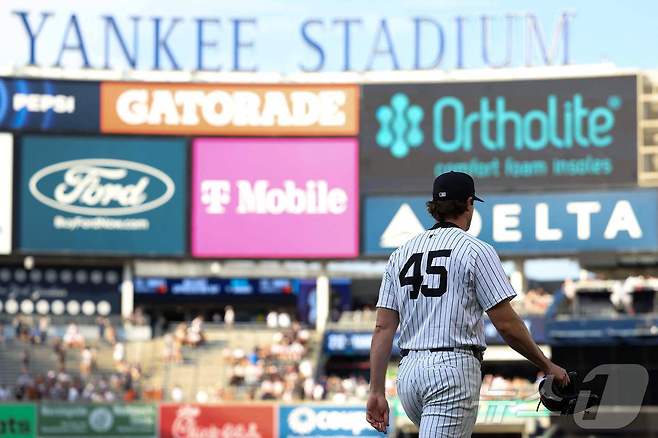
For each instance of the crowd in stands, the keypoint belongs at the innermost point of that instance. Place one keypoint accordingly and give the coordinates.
(63, 383)
(192, 335)
(280, 370)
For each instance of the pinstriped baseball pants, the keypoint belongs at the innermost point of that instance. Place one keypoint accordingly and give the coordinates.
(440, 391)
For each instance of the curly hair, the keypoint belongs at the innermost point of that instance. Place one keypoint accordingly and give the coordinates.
(444, 210)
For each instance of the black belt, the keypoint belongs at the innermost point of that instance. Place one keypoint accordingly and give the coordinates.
(478, 352)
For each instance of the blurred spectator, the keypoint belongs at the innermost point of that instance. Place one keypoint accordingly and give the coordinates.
(87, 362)
(100, 325)
(137, 317)
(72, 337)
(25, 359)
(195, 334)
(22, 329)
(60, 352)
(119, 353)
(229, 316)
(284, 320)
(5, 393)
(110, 332)
(172, 349)
(276, 371)
(272, 319)
(43, 328)
(2, 333)
(537, 301)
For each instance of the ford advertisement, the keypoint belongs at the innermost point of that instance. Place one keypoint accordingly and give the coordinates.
(49, 106)
(102, 195)
(510, 135)
(274, 198)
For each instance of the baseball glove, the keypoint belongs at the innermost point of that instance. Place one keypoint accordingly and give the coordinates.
(565, 400)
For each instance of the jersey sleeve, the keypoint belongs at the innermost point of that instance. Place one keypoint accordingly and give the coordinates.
(387, 291)
(491, 283)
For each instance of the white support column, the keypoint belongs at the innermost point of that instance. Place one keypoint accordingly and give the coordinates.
(322, 300)
(518, 279)
(127, 291)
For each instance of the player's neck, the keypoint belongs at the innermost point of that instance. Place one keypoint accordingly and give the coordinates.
(461, 222)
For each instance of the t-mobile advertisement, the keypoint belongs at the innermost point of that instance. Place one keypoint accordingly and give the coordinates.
(275, 198)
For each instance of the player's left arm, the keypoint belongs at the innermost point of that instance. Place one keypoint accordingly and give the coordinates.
(380, 353)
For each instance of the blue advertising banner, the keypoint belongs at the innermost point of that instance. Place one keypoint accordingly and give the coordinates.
(358, 343)
(352, 343)
(102, 195)
(205, 286)
(310, 421)
(49, 106)
(528, 224)
(326, 35)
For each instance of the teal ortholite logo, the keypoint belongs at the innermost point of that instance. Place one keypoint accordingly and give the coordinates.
(399, 127)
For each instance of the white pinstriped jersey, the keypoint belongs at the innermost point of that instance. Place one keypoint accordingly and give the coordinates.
(440, 282)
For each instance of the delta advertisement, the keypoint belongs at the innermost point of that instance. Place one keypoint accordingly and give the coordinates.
(102, 195)
(70, 420)
(509, 135)
(275, 198)
(6, 192)
(49, 106)
(528, 224)
(204, 109)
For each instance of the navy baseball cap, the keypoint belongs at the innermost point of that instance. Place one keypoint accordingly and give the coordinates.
(454, 186)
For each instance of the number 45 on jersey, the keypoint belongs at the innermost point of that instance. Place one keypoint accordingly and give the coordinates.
(416, 279)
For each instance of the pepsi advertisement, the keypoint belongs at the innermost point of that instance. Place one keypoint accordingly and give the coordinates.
(509, 135)
(49, 106)
(123, 196)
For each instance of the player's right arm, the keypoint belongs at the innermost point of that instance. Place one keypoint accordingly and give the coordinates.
(494, 292)
(516, 335)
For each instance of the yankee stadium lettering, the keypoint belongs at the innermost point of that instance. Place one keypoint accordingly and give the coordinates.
(93, 187)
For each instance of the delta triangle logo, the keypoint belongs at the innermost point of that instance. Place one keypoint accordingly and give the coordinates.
(403, 226)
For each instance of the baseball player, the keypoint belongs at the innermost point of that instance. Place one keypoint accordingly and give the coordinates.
(437, 287)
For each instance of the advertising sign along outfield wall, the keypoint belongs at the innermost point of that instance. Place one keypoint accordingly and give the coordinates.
(198, 109)
(195, 421)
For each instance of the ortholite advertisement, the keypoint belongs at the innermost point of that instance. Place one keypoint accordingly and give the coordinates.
(102, 195)
(137, 420)
(509, 135)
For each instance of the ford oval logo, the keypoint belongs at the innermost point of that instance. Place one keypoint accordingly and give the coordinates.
(102, 187)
